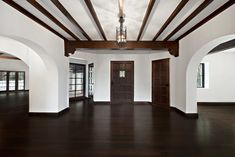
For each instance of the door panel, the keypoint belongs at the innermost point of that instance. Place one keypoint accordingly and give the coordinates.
(160, 83)
(122, 81)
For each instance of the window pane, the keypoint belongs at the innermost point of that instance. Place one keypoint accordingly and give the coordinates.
(79, 87)
(71, 81)
(79, 81)
(12, 81)
(79, 75)
(79, 93)
(72, 94)
(200, 76)
(72, 87)
(21, 78)
(3, 81)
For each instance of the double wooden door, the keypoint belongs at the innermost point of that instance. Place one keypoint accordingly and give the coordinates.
(122, 81)
(160, 83)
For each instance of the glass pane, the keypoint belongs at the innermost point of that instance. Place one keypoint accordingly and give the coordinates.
(79, 93)
(72, 71)
(79, 87)
(79, 75)
(12, 80)
(79, 81)
(122, 73)
(72, 94)
(71, 87)
(200, 76)
(21, 78)
(71, 81)
(3, 81)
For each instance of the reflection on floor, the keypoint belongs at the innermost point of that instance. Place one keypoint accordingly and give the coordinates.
(122, 130)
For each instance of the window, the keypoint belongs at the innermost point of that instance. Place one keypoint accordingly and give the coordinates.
(201, 76)
(21, 80)
(12, 80)
(3, 81)
(90, 79)
(77, 81)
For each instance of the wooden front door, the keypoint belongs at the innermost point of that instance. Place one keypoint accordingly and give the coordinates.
(122, 81)
(160, 83)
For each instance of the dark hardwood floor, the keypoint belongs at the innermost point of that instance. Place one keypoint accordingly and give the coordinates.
(124, 130)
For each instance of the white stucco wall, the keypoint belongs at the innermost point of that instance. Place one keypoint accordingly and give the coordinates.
(221, 78)
(192, 49)
(142, 72)
(15, 65)
(43, 52)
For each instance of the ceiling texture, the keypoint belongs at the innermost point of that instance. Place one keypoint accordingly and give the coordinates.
(146, 20)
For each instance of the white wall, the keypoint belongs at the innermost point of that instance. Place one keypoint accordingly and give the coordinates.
(192, 49)
(221, 78)
(43, 52)
(15, 65)
(142, 72)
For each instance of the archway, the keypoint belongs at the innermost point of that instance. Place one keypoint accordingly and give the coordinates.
(191, 74)
(43, 74)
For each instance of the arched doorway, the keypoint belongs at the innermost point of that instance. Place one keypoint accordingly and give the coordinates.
(43, 74)
(191, 74)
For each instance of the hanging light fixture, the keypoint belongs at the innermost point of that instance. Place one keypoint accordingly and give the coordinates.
(121, 31)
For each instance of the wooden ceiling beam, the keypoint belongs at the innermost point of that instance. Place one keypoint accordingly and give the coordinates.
(171, 18)
(171, 46)
(208, 18)
(32, 17)
(70, 18)
(189, 18)
(146, 17)
(51, 17)
(95, 17)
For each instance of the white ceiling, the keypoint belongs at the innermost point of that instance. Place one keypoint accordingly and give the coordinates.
(107, 11)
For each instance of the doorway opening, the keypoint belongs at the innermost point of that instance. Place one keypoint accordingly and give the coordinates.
(14, 84)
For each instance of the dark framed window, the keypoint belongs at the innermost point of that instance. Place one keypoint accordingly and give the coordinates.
(201, 76)
(77, 81)
(12, 81)
(90, 79)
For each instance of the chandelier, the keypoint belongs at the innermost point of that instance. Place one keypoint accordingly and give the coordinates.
(121, 31)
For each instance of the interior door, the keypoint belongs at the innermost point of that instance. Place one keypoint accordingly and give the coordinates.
(160, 83)
(122, 81)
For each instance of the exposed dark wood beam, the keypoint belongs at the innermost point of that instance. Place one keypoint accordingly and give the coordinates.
(208, 18)
(31, 16)
(189, 18)
(171, 46)
(171, 18)
(148, 11)
(95, 17)
(70, 18)
(9, 57)
(51, 17)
